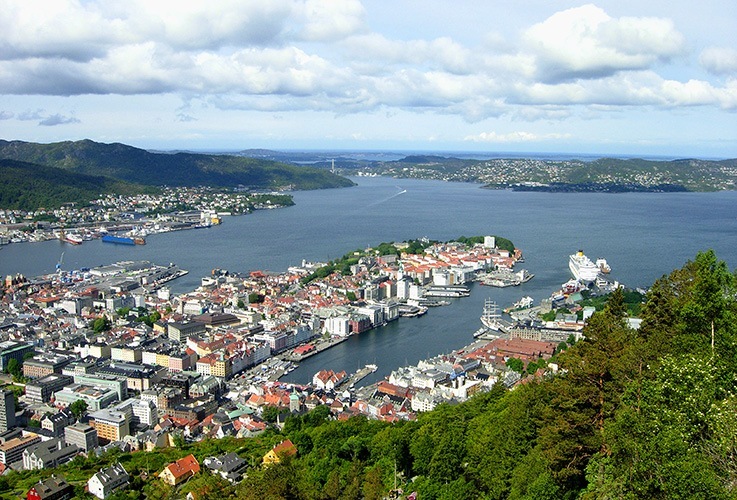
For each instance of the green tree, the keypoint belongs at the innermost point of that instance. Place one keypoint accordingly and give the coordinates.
(515, 364)
(78, 408)
(101, 324)
(596, 370)
(373, 487)
(152, 318)
(658, 436)
(14, 367)
(616, 304)
(270, 413)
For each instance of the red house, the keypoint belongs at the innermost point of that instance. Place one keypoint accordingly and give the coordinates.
(54, 488)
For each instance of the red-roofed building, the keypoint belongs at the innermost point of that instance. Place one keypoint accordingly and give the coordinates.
(284, 449)
(304, 349)
(328, 379)
(181, 470)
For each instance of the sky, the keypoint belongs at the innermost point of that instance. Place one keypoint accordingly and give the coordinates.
(614, 77)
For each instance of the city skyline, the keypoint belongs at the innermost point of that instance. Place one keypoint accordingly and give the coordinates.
(619, 78)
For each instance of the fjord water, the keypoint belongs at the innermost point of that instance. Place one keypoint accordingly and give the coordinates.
(642, 235)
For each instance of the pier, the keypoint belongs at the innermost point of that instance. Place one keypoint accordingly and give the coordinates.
(360, 375)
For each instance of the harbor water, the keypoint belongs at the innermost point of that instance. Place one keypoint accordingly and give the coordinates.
(642, 236)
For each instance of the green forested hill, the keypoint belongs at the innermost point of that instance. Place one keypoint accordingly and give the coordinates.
(648, 413)
(131, 164)
(27, 186)
(603, 175)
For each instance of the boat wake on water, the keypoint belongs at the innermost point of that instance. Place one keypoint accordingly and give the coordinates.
(384, 200)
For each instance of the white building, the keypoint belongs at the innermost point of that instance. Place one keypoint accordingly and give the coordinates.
(337, 325)
(423, 401)
(105, 482)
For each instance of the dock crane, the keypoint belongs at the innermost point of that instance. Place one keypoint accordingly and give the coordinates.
(58, 264)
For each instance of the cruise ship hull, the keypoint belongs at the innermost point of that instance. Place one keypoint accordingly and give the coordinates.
(582, 268)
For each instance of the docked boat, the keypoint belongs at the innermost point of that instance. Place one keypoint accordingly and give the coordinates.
(571, 286)
(123, 240)
(524, 275)
(491, 318)
(453, 291)
(603, 266)
(73, 238)
(582, 268)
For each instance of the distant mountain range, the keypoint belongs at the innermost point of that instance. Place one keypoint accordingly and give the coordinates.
(52, 174)
(134, 165)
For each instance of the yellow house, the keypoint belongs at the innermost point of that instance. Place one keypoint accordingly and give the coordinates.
(180, 471)
(284, 449)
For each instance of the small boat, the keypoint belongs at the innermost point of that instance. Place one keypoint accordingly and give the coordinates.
(603, 266)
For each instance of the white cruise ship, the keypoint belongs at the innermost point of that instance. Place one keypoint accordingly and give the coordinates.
(582, 268)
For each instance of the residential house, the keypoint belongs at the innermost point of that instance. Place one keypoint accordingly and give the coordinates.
(328, 379)
(230, 466)
(180, 471)
(53, 488)
(284, 449)
(105, 482)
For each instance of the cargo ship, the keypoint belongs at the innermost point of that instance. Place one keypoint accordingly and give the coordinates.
(123, 240)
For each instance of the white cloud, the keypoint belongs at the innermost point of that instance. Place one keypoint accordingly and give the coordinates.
(584, 42)
(513, 137)
(719, 60)
(438, 54)
(328, 20)
(321, 55)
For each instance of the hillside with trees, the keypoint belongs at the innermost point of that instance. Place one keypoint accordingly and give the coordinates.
(28, 186)
(646, 413)
(568, 175)
(135, 165)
